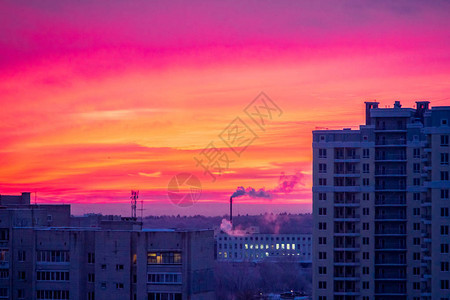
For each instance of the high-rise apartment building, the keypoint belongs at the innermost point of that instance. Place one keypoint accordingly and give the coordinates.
(381, 206)
(47, 254)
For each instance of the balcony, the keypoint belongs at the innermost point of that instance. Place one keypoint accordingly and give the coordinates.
(392, 187)
(390, 157)
(350, 157)
(390, 217)
(390, 262)
(391, 142)
(390, 231)
(346, 202)
(350, 217)
(390, 172)
(390, 128)
(346, 261)
(390, 201)
(348, 173)
(347, 246)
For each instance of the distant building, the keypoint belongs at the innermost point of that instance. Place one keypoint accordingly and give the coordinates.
(250, 245)
(381, 206)
(47, 254)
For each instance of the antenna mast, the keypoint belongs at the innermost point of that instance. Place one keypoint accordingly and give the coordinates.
(134, 197)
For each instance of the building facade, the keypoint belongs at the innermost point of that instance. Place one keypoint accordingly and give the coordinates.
(381, 206)
(43, 255)
(256, 247)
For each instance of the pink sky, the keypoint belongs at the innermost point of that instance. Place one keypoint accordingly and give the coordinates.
(100, 98)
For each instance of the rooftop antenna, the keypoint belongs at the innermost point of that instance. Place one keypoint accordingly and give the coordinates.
(142, 210)
(134, 197)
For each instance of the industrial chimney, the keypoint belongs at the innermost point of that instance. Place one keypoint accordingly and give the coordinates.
(231, 212)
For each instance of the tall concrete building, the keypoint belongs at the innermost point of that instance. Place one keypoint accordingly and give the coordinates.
(381, 206)
(47, 254)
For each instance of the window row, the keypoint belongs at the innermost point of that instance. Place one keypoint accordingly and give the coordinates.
(50, 294)
(169, 257)
(53, 256)
(52, 275)
(164, 278)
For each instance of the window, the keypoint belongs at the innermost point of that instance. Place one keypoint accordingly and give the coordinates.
(444, 122)
(416, 226)
(322, 196)
(53, 256)
(444, 194)
(322, 181)
(91, 295)
(444, 140)
(416, 256)
(119, 285)
(416, 241)
(21, 256)
(444, 158)
(445, 266)
(52, 276)
(322, 153)
(4, 273)
(322, 168)
(21, 294)
(416, 153)
(164, 257)
(416, 168)
(365, 285)
(322, 297)
(365, 255)
(91, 258)
(417, 196)
(444, 175)
(444, 211)
(322, 285)
(365, 181)
(416, 181)
(416, 285)
(165, 296)
(365, 240)
(365, 153)
(416, 211)
(322, 240)
(322, 270)
(416, 271)
(444, 248)
(322, 211)
(119, 267)
(21, 275)
(365, 211)
(164, 278)
(444, 229)
(322, 255)
(91, 277)
(52, 294)
(322, 226)
(4, 293)
(445, 285)
(366, 168)
(365, 226)
(365, 270)
(366, 197)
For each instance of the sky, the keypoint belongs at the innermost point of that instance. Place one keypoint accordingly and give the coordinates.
(100, 98)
